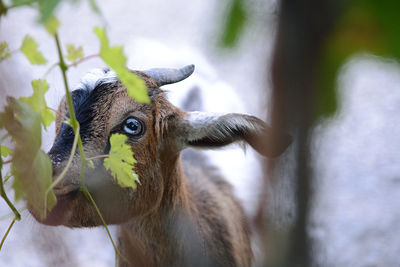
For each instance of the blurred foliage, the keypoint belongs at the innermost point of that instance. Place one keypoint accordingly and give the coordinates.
(23, 119)
(363, 26)
(74, 53)
(30, 49)
(121, 161)
(5, 151)
(4, 51)
(235, 22)
(30, 166)
(52, 25)
(114, 57)
(45, 7)
(38, 103)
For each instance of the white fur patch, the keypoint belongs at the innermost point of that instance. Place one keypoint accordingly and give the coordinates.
(95, 77)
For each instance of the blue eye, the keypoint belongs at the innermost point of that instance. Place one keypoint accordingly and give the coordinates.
(133, 127)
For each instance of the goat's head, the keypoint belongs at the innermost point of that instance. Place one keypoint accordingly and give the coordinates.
(157, 132)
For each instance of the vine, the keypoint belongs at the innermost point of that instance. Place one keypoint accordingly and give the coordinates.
(23, 119)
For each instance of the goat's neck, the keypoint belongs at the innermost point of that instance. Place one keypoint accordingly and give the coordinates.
(159, 237)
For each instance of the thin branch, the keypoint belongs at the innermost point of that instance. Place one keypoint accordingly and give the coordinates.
(75, 126)
(7, 177)
(98, 157)
(89, 196)
(62, 174)
(75, 63)
(74, 121)
(50, 69)
(58, 113)
(7, 161)
(6, 234)
(4, 195)
(11, 214)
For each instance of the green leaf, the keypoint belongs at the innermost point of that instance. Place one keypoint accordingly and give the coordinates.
(363, 25)
(38, 103)
(46, 8)
(94, 6)
(235, 22)
(115, 58)
(52, 25)
(4, 51)
(5, 151)
(135, 86)
(29, 48)
(121, 162)
(31, 167)
(74, 53)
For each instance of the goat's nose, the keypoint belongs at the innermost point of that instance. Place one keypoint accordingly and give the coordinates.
(56, 160)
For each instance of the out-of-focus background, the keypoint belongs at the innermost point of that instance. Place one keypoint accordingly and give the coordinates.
(355, 215)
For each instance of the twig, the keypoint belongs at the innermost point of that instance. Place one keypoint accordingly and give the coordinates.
(62, 174)
(98, 157)
(4, 195)
(89, 196)
(7, 177)
(75, 126)
(75, 63)
(58, 113)
(50, 69)
(6, 234)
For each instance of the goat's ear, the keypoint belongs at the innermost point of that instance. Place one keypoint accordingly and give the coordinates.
(208, 130)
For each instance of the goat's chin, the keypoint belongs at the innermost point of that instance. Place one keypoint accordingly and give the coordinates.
(61, 212)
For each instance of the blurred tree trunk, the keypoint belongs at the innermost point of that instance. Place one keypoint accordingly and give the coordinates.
(302, 30)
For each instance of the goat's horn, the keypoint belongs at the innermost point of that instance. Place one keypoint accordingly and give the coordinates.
(165, 76)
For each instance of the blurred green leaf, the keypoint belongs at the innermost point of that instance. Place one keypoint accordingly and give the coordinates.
(23, 2)
(4, 51)
(31, 167)
(121, 161)
(30, 49)
(115, 58)
(74, 53)
(94, 6)
(364, 26)
(47, 8)
(3, 8)
(234, 24)
(52, 25)
(5, 151)
(38, 103)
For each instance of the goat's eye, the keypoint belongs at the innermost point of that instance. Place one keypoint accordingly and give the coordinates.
(133, 127)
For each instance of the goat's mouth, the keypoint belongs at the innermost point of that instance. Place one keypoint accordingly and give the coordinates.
(61, 212)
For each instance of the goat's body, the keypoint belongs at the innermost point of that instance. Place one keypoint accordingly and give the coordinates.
(202, 225)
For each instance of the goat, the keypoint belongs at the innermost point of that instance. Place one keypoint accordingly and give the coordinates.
(181, 214)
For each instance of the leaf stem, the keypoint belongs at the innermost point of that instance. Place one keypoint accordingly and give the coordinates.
(8, 231)
(75, 126)
(98, 157)
(74, 121)
(74, 64)
(58, 113)
(62, 174)
(89, 196)
(7, 177)
(4, 195)
(50, 69)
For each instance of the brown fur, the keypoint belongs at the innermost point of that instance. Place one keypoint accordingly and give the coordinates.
(180, 214)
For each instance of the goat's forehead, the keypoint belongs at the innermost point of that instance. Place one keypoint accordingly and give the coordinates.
(95, 77)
